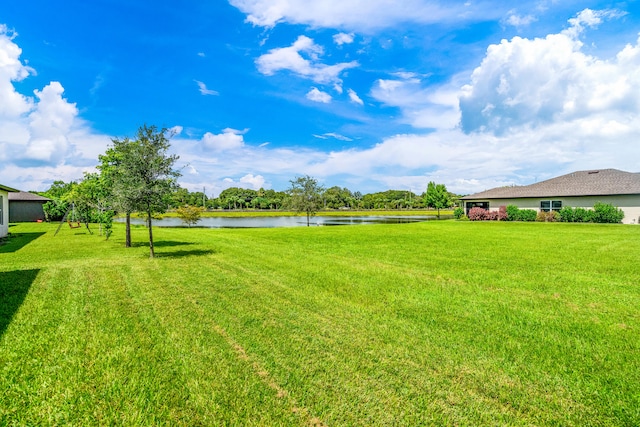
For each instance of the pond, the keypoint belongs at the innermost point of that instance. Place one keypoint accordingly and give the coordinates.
(287, 221)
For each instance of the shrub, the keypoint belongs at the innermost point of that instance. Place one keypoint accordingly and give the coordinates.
(190, 215)
(582, 215)
(606, 213)
(512, 212)
(567, 214)
(477, 214)
(458, 212)
(502, 213)
(528, 215)
(491, 216)
(550, 216)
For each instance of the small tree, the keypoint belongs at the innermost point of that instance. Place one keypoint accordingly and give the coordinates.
(190, 215)
(141, 174)
(437, 197)
(306, 196)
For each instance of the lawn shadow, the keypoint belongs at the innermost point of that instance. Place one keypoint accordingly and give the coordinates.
(182, 254)
(161, 244)
(14, 286)
(17, 241)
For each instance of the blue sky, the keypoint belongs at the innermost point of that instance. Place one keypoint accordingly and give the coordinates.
(369, 95)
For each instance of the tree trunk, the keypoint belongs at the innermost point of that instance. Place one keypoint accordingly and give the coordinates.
(127, 239)
(151, 252)
(307, 219)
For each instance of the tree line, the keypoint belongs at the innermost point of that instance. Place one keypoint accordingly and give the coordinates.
(236, 198)
(139, 176)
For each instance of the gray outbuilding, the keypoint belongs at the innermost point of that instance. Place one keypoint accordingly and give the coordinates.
(26, 207)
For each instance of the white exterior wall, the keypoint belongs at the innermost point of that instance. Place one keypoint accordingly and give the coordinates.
(630, 204)
(4, 217)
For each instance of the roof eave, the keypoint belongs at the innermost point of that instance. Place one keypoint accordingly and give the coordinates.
(8, 189)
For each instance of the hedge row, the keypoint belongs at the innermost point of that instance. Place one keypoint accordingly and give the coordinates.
(601, 213)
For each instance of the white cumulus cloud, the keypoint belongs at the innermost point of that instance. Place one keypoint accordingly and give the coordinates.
(308, 66)
(254, 182)
(50, 123)
(42, 139)
(229, 139)
(533, 82)
(317, 95)
(13, 104)
(343, 38)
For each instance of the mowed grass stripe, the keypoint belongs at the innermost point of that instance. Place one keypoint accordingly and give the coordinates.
(294, 289)
(105, 357)
(445, 323)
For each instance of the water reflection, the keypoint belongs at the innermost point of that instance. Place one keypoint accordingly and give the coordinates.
(286, 221)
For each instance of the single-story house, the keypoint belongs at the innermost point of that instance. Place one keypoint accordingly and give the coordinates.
(578, 189)
(4, 209)
(26, 207)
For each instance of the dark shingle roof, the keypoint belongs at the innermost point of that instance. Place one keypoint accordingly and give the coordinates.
(23, 196)
(583, 183)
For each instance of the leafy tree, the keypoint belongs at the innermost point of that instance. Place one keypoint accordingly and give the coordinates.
(306, 196)
(59, 189)
(142, 174)
(180, 197)
(190, 215)
(112, 169)
(437, 197)
(336, 198)
(237, 197)
(59, 193)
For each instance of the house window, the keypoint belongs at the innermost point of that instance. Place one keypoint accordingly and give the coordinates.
(1, 210)
(471, 205)
(550, 205)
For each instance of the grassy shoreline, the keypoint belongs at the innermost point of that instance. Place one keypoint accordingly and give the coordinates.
(446, 323)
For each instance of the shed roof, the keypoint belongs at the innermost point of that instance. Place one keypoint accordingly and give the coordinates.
(8, 189)
(599, 182)
(24, 196)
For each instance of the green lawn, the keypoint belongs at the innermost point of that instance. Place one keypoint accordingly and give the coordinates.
(445, 323)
